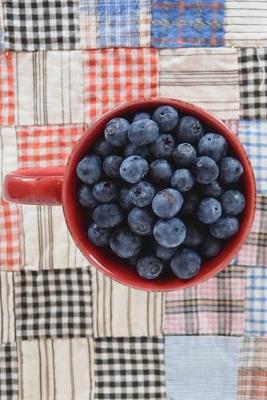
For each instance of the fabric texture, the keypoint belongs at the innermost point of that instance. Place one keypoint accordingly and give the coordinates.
(256, 316)
(8, 372)
(7, 314)
(7, 100)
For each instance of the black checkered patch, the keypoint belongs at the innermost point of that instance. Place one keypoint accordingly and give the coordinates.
(53, 304)
(129, 368)
(41, 24)
(8, 372)
(253, 83)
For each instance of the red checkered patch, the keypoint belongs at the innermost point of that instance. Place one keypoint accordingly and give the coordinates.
(114, 76)
(7, 102)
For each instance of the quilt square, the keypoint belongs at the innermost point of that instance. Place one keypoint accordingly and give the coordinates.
(8, 153)
(256, 300)
(8, 372)
(41, 24)
(7, 307)
(7, 90)
(215, 307)
(187, 23)
(129, 368)
(53, 304)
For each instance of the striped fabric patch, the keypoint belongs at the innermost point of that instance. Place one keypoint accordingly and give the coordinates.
(7, 308)
(7, 89)
(8, 153)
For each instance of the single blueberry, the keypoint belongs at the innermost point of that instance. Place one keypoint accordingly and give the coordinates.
(99, 236)
(233, 202)
(186, 263)
(212, 189)
(163, 146)
(105, 191)
(149, 267)
(224, 227)
(167, 203)
(160, 172)
(166, 117)
(133, 169)
(182, 180)
(124, 198)
(210, 247)
(206, 170)
(194, 233)
(107, 215)
(134, 150)
(111, 165)
(141, 221)
(189, 130)
(85, 197)
(230, 170)
(103, 148)
(164, 253)
(141, 115)
(191, 200)
(142, 132)
(124, 243)
(142, 193)
(209, 210)
(184, 155)
(116, 131)
(212, 145)
(89, 169)
(169, 232)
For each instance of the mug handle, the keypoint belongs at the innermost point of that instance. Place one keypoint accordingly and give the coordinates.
(35, 186)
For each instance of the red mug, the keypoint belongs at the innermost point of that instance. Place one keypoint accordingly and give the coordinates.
(58, 186)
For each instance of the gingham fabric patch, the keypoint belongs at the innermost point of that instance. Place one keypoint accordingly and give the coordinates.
(7, 90)
(252, 83)
(129, 368)
(53, 304)
(256, 300)
(8, 372)
(41, 24)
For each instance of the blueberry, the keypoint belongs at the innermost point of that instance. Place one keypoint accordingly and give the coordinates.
(164, 253)
(163, 146)
(213, 189)
(233, 202)
(206, 170)
(124, 198)
(191, 200)
(89, 169)
(103, 148)
(116, 131)
(224, 227)
(194, 234)
(186, 263)
(107, 215)
(149, 267)
(160, 172)
(141, 115)
(142, 132)
(133, 169)
(142, 193)
(230, 170)
(134, 150)
(184, 155)
(182, 180)
(105, 191)
(209, 210)
(99, 236)
(189, 130)
(169, 232)
(212, 145)
(141, 221)
(167, 203)
(132, 260)
(111, 165)
(210, 247)
(124, 243)
(166, 117)
(85, 197)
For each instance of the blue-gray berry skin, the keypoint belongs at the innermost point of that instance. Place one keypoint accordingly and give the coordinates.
(134, 150)
(186, 263)
(211, 247)
(99, 236)
(194, 234)
(224, 227)
(142, 194)
(212, 145)
(191, 200)
(149, 267)
(213, 189)
(124, 198)
(206, 170)
(124, 243)
(89, 169)
(209, 210)
(164, 253)
(103, 148)
(230, 170)
(116, 131)
(233, 202)
(167, 203)
(141, 221)
(141, 115)
(184, 155)
(189, 130)
(105, 191)
(169, 232)
(143, 132)
(133, 169)
(182, 180)
(111, 165)
(107, 215)
(132, 260)
(163, 146)
(85, 197)
(160, 172)
(166, 117)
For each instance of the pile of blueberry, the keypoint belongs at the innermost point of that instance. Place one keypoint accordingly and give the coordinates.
(163, 193)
